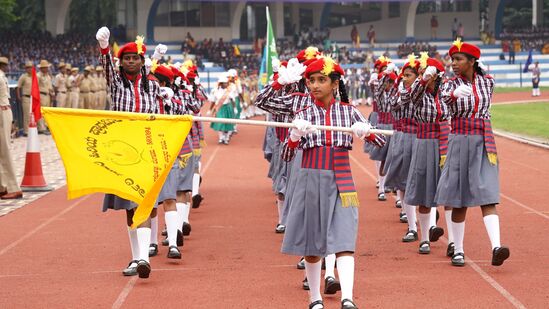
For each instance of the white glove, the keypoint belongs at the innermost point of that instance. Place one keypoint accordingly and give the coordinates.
(275, 64)
(159, 51)
(189, 87)
(296, 68)
(361, 129)
(148, 65)
(402, 88)
(177, 65)
(482, 66)
(166, 93)
(390, 68)
(373, 79)
(102, 37)
(178, 81)
(429, 73)
(197, 80)
(463, 91)
(302, 128)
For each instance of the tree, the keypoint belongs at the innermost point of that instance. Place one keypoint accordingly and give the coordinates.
(7, 16)
(87, 16)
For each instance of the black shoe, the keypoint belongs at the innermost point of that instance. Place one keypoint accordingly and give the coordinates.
(403, 217)
(280, 229)
(301, 264)
(165, 242)
(331, 285)
(318, 302)
(377, 184)
(197, 199)
(164, 232)
(131, 270)
(458, 259)
(435, 232)
(305, 284)
(410, 236)
(348, 304)
(499, 255)
(381, 197)
(153, 250)
(450, 250)
(388, 190)
(424, 247)
(398, 204)
(143, 269)
(173, 253)
(186, 229)
(179, 238)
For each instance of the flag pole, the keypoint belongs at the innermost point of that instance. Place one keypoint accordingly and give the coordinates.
(282, 124)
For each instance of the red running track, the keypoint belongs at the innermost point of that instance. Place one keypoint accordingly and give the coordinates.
(68, 254)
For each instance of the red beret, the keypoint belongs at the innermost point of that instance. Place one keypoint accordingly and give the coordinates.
(392, 76)
(435, 63)
(131, 47)
(464, 48)
(324, 65)
(309, 54)
(164, 71)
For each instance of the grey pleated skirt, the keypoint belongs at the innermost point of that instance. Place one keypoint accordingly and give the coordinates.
(293, 172)
(397, 163)
(282, 177)
(184, 181)
(424, 173)
(467, 179)
(274, 168)
(372, 119)
(377, 153)
(317, 224)
(111, 201)
(169, 189)
(267, 141)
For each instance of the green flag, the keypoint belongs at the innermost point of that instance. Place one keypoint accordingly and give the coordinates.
(269, 54)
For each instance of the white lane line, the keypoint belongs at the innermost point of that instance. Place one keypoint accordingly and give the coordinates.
(124, 294)
(524, 165)
(129, 286)
(41, 226)
(520, 102)
(539, 213)
(473, 265)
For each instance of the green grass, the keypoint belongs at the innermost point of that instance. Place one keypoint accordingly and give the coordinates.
(527, 88)
(530, 119)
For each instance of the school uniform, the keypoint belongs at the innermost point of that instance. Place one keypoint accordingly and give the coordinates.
(385, 119)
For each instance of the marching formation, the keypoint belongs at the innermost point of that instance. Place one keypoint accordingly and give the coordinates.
(442, 153)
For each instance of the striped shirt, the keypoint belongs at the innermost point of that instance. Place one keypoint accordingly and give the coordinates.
(428, 108)
(475, 106)
(133, 98)
(384, 97)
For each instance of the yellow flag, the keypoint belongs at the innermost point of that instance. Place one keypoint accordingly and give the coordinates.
(115, 49)
(126, 154)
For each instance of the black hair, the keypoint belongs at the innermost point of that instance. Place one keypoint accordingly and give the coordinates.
(302, 85)
(438, 82)
(342, 89)
(476, 68)
(143, 71)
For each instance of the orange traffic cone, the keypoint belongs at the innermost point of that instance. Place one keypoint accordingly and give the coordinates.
(33, 180)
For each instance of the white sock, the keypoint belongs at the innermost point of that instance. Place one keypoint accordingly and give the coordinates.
(533, 92)
(424, 225)
(144, 240)
(199, 168)
(154, 230)
(459, 231)
(134, 244)
(346, 272)
(399, 195)
(196, 183)
(313, 276)
(280, 206)
(491, 222)
(171, 226)
(410, 211)
(186, 212)
(180, 213)
(221, 136)
(381, 188)
(330, 261)
(449, 229)
(433, 217)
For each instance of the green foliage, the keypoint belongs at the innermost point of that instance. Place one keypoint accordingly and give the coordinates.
(7, 16)
(88, 16)
(525, 119)
(31, 15)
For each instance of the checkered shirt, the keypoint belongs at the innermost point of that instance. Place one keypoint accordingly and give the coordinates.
(475, 106)
(428, 107)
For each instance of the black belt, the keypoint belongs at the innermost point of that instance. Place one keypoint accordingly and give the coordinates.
(5, 107)
(61, 92)
(27, 95)
(44, 93)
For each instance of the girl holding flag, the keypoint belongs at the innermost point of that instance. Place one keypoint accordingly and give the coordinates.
(470, 176)
(323, 218)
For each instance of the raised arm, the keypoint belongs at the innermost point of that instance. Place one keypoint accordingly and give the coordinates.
(113, 79)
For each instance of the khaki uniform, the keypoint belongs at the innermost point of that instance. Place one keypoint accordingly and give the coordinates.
(61, 89)
(7, 172)
(85, 92)
(74, 91)
(46, 88)
(24, 85)
(94, 91)
(102, 97)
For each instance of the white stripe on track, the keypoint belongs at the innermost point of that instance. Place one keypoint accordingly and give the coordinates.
(539, 213)
(513, 300)
(131, 283)
(41, 226)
